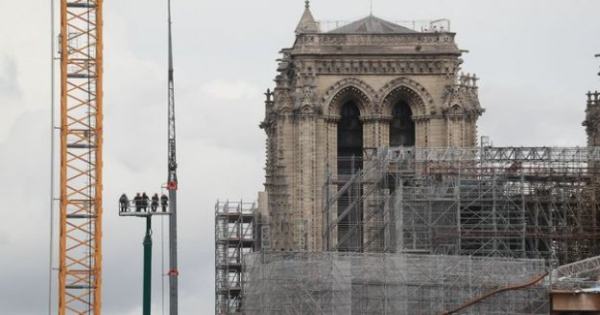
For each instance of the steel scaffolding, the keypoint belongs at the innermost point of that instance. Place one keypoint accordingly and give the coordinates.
(425, 231)
(235, 237)
(380, 283)
(496, 202)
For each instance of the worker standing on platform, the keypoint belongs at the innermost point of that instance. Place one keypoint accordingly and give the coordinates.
(154, 204)
(138, 202)
(124, 203)
(145, 202)
(164, 201)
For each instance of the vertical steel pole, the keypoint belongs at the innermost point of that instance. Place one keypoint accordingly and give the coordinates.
(173, 273)
(172, 181)
(147, 268)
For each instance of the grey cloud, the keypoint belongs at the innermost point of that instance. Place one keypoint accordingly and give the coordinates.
(227, 120)
(9, 80)
(4, 239)
(23, 231)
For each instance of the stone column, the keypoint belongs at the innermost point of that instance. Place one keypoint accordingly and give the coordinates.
(437, 132)
(306, 163)
(331, 123)
(421, 132)
(384, 127)
(457, 130)
(279, 190)
(371, 133)
(376, 131)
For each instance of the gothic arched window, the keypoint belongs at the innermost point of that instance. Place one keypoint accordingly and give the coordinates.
(350, 139)
(350, 151)
(402, 127)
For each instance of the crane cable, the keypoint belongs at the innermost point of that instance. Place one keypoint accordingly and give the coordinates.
(52, 154)
(497, 291)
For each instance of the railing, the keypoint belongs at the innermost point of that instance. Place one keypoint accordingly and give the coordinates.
(593, 98)
(423, 26)
(489, 154)
(235, 207)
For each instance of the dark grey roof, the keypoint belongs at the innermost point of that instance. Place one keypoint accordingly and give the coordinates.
(372, 25)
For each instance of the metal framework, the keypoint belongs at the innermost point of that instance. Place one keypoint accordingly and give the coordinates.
(80, 282)
(578, 269)
(235, 236)
(579, 276)
(507, 202)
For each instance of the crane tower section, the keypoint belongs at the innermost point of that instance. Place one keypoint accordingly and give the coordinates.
(80, 265)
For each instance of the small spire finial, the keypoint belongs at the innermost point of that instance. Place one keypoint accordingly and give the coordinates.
(371, 9)
(307, 4)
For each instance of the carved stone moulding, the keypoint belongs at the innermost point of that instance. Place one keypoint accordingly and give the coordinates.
(375, 39)
(345, 90)
(414, 93)
(390, 67)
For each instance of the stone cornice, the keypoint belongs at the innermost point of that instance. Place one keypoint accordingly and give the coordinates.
(421, 118)
(375, 118)
(432, 116)
(332, 118)
(383, 66)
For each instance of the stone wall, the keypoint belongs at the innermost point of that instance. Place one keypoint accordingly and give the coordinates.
(321, 72)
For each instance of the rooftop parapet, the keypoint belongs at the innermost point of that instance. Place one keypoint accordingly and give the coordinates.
(593, 98)
(468, 80)
(415, 43)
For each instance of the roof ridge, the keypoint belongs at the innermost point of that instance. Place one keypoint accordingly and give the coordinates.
(372, 24)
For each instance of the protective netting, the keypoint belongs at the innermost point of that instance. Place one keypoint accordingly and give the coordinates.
(371, 283)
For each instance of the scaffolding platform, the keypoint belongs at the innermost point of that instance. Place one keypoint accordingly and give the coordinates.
(235, 236)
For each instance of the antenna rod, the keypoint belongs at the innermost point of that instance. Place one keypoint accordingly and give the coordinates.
(172, 181)
(52, 150)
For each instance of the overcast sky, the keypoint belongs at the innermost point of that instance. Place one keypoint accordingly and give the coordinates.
(535, 59)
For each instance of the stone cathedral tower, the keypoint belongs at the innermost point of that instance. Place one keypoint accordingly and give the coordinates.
(368, 84)
(592, 117)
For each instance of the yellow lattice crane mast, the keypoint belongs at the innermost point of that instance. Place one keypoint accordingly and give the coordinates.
(80, 256)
